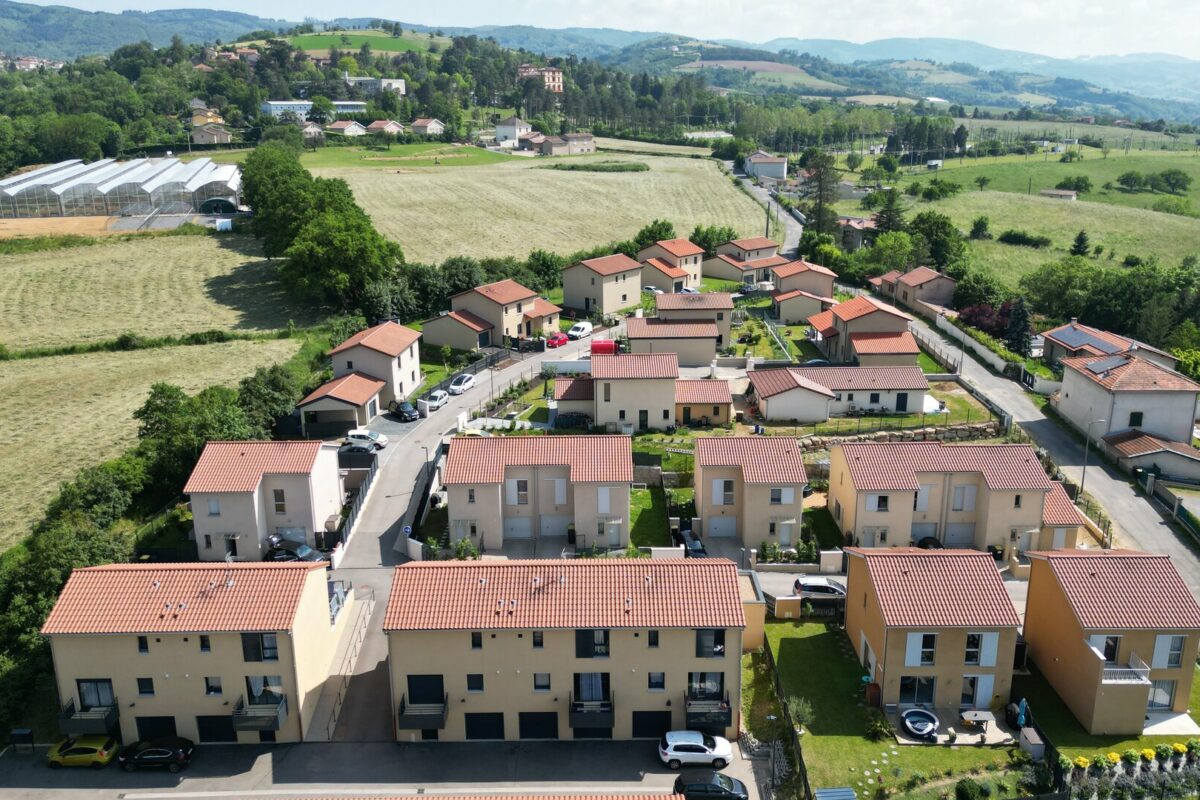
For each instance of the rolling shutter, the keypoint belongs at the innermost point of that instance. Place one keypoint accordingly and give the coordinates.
(602, 504)
(251, 647)
(560, 491)
(912, 650)
(787, 496)
(510, 491)
(983, 690)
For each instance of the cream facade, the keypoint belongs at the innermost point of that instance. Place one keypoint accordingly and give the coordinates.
(795, 307)
(1086, 403)
(711, 307)
(693, 351)
(738, 497)
(644, 403)
(457, 331)
(814, 280)
(592, 292)
(691, 262)
(926, 286)
(401, 373)
(879, 320)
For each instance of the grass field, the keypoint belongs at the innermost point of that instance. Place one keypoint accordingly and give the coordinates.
(1074, 130)
(56, 226)
(379, 41)
(154, 287)
(95, 396)
(632, 146)
(396, 157)
(511, 208)
(793, 80)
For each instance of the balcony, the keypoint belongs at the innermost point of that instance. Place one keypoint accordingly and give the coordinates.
(260, 716)
(1135, 672)
(421, 716)
(98, 719)
(702, 714)
(591, 713)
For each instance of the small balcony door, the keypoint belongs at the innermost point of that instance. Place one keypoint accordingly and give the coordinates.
(96, 693)
(1162, 696)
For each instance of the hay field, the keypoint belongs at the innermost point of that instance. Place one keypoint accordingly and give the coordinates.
(1042, 128)
(95, 396)
(57, 226)
(153, 287)
(509, 209)
(632, 146)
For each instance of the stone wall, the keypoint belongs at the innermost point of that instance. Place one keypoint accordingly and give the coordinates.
(951, 433)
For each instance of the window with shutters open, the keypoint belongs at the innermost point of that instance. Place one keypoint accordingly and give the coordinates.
(964, 498)
(877, 502)
(783, 496)
(921, 500)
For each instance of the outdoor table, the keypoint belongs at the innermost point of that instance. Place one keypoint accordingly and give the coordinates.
(978, 718)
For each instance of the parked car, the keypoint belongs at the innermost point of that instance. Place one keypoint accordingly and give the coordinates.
(651, 290)
(579, 330)
(95, 751)
(677, 748)
(692, 546)
(556, 339)
(281, 549)
(405, 410)
(697, 785)
(930, 543)
(816, 362)
(474, 432)
(462, 383)
(437, 399)
(171, 753)
(815, 587)
(365, 436)
(689, 290)
(357, 447)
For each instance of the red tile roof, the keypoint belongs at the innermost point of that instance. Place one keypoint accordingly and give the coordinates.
(574, 389)
(665, 268)
(643, 328)
(779, 297)
(541, 307)
(754, 243)
(180, 598)
(706, 301)
(1130, 374)
(796, 267)
(1058, 511)
(389, 338)
(703, 392)
(680, 247)
(502, 292)
(486, 796)
(849, 379)
(468, 318)
(862, 305)
(754, 263)
(893, 466)
(857, 222)
(635, 365)
(582, 593)
(383, 124)
(482, 459)
(770, 382)
(937, 588)
(1133, 443)
(891, 276)
(240, 466)
(1122, 589)
(763, 459)
(921, 275)
(423, 121)
(823, 322)
(610, 265)
(884, 343)
(353, 388)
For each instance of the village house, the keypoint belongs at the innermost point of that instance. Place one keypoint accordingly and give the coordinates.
(494, 314)
(510, 130)
(341, 404)
(206, 116)
(694, 341)
(1134, 450)
(746, 261)
(211, 134)
(531, 141)
(579, 649)
(715, 307)
(1075, 340)
(579, 143)
(667, 258)
(750, 487)
(703, 402)
(645, 383)
(933, 628)
(216, 653)
(505, 489)
(311, 130)
(855, 233)
(814, 394)
(552, 77)
(764, 166)
(835, 328)
(424, 126)
(927, 286)
(602, 285)
(555, 146)
(346, 128)
(884, 349)
(1121, 660)
(386, 126)
(794, 307)
(804, 276)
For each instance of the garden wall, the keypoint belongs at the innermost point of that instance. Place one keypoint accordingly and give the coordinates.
(951, 433)
(957, 334)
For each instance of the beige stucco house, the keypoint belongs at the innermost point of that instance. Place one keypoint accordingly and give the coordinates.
(884, 349)
(635, 391)
(932, 628)
(1122, 659)
(494, 314)
(694, 341)
(211, 134)
(678, 254)
(214, 653)
(746, 261)
(750, 487)
(783, 395)
(703, 402)
(603, 285)
(389, 351)
(927, 286)
(794, 307)
(576, 649)
(803, 393)
(336, 406)
(833, 329)
(714, 306)
(660, 274)
(523, 488)
(804, 276)
(242, 492)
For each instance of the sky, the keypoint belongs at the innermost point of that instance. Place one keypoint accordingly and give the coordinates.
(1062, 28)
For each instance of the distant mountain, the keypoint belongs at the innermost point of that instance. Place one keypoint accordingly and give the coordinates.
(61, 32)
(580, 42)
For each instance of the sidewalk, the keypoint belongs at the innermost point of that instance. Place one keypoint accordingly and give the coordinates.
(345, 658)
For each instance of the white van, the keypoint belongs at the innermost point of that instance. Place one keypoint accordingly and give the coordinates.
(579, 330)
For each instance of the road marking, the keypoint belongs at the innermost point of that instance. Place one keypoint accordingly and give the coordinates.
(343, 790)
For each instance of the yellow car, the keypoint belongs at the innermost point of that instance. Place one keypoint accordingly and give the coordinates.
(83, 751)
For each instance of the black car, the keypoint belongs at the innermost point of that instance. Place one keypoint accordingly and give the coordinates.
(405, 410)
(172, 753)
(357, 447)
(816, 362)
(707, 785)
(692, 546)
(281, 549)
(930, 543)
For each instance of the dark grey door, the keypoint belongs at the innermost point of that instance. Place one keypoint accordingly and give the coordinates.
(651, 724)
(538, 724)
(643, 420)
(485, 726)
(155, 727)
(902, 401)
(425, 689)
(592, 733)
(216, 729)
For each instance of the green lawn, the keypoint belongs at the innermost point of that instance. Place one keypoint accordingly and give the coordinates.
(799, 345)
(961, 408)
(719, 285)
(396, 157)
(927, 364)
(1068, 735)
(436, 523)
(816, 662)
(648, 518)
(820, 522)
(765, 347)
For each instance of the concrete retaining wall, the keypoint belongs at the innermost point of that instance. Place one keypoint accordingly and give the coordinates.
(986, 356)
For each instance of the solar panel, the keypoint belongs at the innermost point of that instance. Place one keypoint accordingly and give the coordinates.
(1075, 338)
(1105, 364)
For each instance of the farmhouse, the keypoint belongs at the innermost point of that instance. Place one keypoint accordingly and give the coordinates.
(555, 146)
(1075, 340)
(602, 285)
(492, 315)
(694, 341)
(579, 143)
(676, 254)
(510, 130)
(751, 487)
(424, 126)
(346, 128)
(764, 166)
(716, 307)
(835, 328)
(211, 134)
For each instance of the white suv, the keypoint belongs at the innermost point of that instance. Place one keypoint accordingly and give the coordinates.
(692, 747)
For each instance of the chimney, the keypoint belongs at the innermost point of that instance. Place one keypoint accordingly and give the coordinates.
(1074, 320)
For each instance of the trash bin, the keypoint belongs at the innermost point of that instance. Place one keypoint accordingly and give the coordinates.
(21, 740)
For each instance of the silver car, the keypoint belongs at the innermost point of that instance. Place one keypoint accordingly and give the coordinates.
(818, 588)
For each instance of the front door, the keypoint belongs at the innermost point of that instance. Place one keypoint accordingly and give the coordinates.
(901, 401)
(784, 529)
(1024, 541)
(231, 546)
(426, 689)
(643, 419)
(485, 726)
(687, 415)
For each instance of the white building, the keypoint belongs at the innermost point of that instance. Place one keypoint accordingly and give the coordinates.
(761, 164)
(509, 131)
(1102, 395)
(277, 108)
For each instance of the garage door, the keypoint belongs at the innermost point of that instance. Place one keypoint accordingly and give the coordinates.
(518, 528)
(960, 534)
(216, 729)
(556, 526)
(592, 733)
(922, 529)
(651, 724)
(155, 727)
(485, 726)
(538, 724)
(722, 526)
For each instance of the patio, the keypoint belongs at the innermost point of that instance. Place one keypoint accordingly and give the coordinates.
(949, 722)
(1169, 724)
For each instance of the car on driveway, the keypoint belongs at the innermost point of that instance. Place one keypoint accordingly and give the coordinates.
(556, 340)
(692, 546)
(708, 785)
(405, 410)
(364, 436)
(677, 748)
(814, 587)
(437, 398)
(83, 751)
(579, 330)
(281, 549)
(462, 383)
(651, 290)
(357, 448)
(171, 753)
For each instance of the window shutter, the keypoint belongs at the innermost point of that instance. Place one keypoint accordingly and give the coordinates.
(251, 647)
(1096, 640)
(968, 498)
(912, 650)
(510, 491)
(984, 685)
(788, 496)
(1162, 649)
(602, 505)
(923, 498)
(872, 502)
(987, 649)
(560, 491)
(718, 492)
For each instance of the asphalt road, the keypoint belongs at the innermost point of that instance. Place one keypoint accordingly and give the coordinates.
(792, 227)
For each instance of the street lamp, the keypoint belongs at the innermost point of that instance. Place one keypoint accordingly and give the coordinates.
(1087, 440)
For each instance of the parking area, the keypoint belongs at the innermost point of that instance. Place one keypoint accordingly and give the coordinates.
(591, 767)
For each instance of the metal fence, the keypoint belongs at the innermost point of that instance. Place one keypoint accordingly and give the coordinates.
(491, 358)
(357, 503)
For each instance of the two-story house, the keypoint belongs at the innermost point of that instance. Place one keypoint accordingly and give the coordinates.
(630, 391)
(1115, 632)
(746, 261)
(1075, 340)
(932, 628)
(981, 496)
(388, 351)
(927, 286)
(765, 167)
(553, 649)
(713, 306)
(505, 488)
(211, 652)
(835, 327)
(804, 276)
(750, 487)
(510, 130)
(693, 341)
(494, 314)
(674, 254)
(795, 306)
(602, 285)
(243, 492)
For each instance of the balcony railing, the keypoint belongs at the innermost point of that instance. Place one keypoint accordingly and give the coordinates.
(421, 716)
(73, 721)
(708, 713)
(591, 713)
(1135, 672)
(260, 716)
